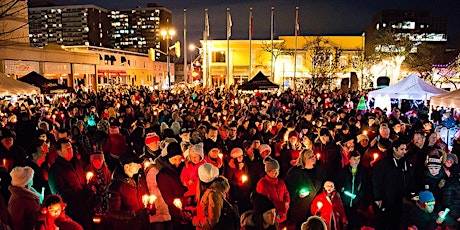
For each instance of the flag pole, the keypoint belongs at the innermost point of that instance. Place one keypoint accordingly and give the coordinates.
(272, 31)
(186, 76)
(296, 31)
(227, 58)
(250, 42)
(205, 53)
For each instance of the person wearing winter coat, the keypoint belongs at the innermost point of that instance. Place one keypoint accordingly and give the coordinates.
(126, 208)
(328, 206)
(423, 213)
(303, 181)
(451, 200)
(189, 175)
(168, 179)
(432, 177)
(98, 178)
(328, 153)
(54, 217)
(24, 205)
(237, 173)
(262, 217)
(212, 200)
(275, 189)
(161, 219)
(114, 147)
(392, 180)
(352, 184)
(66, 178)
(289, 153)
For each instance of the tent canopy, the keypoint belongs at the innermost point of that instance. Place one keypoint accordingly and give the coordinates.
(10, 86)
(45, 85)
(412, 88)
(259, 82)
(451, 99)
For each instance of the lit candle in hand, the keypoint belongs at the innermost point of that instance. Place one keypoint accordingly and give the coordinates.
(89, 176)
(177, 203)
(375, 155)
(145, 200)
(244, 178)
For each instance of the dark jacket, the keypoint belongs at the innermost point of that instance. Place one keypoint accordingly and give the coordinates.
(125, 199)
(15, 156)
(297, 179)
(329, 160)
(354, 184)
(451, 200)
(392, 180)
(24, 208)
(168, 180)
(414, 215)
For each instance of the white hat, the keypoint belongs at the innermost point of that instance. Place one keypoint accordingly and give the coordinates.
(21, 176)
(197, 149)
(207, 172)
(265, 147)
(236, 152)
(361, 137)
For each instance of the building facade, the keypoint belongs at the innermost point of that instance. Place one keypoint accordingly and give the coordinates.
(69, 25)
(218, 59)
(139, 29)
(14, 29)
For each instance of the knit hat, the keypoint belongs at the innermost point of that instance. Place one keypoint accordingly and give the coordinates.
(434, 161)
(324, 132)
(236, 152)
(151, 137)
(175, 127)
(130, 158)
(173, 150)
(207, 172)
(293, 134)
(97, 156)
(425, 196)
(271, 164)
(347, 138)
(197, 149)
(21, 176)
(114, 130)
(452, 157)
(265, 147)
(261, 203)
(163, 126)
(361, 137)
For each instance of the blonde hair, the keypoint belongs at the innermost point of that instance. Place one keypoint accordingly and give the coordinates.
(303, 157)
(314, 223)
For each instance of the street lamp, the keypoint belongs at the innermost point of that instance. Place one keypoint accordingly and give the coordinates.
(168, 35)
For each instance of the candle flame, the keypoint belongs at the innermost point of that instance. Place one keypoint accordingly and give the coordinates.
(89, 176)
(177, 203)
(145, 200)
(318, 156)
(365, 132)
(96, 220)
(220, 155)
(152, 199)
(376, 155)
(244, 178)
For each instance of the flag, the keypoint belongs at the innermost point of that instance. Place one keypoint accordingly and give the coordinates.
(229, 23)
(251, 28)
(206, 22)
(297, 26)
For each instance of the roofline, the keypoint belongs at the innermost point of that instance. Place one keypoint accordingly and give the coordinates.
(95, 48)
(144, 8)
(69, 7)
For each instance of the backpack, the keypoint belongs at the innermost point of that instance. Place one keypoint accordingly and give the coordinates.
(229, 217)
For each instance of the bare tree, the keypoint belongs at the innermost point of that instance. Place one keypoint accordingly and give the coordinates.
(279, 48)
(324, 57)
(14, 28)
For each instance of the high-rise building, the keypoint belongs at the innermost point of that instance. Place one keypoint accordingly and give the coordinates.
(418, 25)
(139, 29)
(69, 25)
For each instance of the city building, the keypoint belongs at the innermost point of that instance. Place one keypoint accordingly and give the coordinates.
(125, 67)
(139, 29)
(69, 25)
(347, 50)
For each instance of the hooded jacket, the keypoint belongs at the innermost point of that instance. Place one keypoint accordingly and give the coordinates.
(331, 211)
(211, 204)
(24, 207)
(275, 189)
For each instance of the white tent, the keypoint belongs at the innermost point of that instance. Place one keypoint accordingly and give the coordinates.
(10, 86)
(412, 88)
(451, 99)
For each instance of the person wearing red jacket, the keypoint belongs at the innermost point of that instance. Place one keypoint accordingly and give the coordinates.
(274, 188)
(328, 206)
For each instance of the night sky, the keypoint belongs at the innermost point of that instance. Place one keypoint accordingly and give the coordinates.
(317, 17)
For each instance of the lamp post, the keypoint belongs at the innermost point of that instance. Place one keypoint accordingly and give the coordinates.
(168, 35)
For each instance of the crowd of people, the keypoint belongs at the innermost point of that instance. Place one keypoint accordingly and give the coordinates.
(136, 158)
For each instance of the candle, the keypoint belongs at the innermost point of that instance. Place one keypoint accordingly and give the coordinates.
(319, 204)
(244, 178)
(152, 199)
(318, 156)
(4, 162)
(375, 155)
(177, 203)
(220, 155)
(365, 132)
(89, 176)
(145, 200)
(96, 220)
(219, 114)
